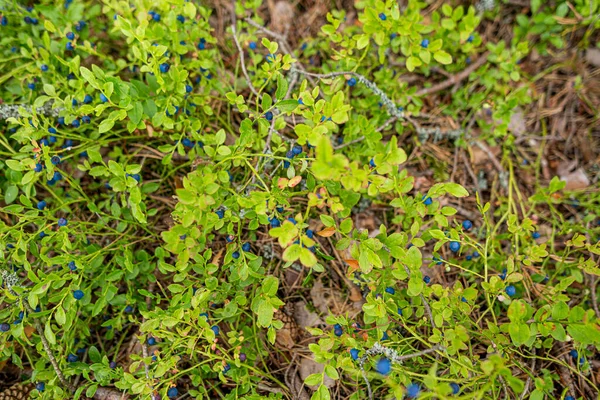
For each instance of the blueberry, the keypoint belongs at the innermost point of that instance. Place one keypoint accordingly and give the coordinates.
(372, 163)
(475, 254)
(243, 357)
(72, 358)
(279, 209)
(55, 160)
(42, 234)
(128, 309)
(383, 366)
(510, 290)
(413, 390)
(338, 332)
(220, 213)
(468, 60)
(187, 142)
(270, 58)
(503, 274)
(41, 205)
(69, 46)
(172, 392)
(205, 315)
(470, 39)
(80, 25)
(4, 21)
(68, 143)
(156, 17)
(382, 16)
(4, 327)
(215, 329)
(75, 123)
(61, 120)
(351, 82)
(235, 255)
(71, 76)
(467, 225)
(31, 86)
(70, 35)
(72, 266)
(40, 386)
(137, 177)
(87, 99)
(38, 167)
(290, 154)
(274, 222)
(78, 294)
(463, 299)
(354, 354)
(393, 35)
(57, 176)
(188, 88)
(44, 142)
(426, 279)
(181, 18)
(292, 220)
(310, 233)
(226, 368)
(62, 222)
(151, 341)
(385, 336)
(86, 119)
(246, 246)
(103, 98)
(454, 247)
(51, 130)
(399, 311)
(269, 116)
(569, 398)
(573, 353)
(252, 45)
(154, 358)
(164, 68)
(300, 102)
(44, 68)
(390, 290)
(297, 149)
(112, 365)
(469, 257)
(27, 20)
(425, 43)
(535, 235)
(202, 44)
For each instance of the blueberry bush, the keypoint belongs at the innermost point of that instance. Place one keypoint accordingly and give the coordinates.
(182, 182)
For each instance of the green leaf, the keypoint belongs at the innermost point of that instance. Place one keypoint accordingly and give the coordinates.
(94, 354)
(287, 105)
(307, 258)
(49, 334)
(106, 125)
(313, 379)
(270, 285)
(60, 316)
(11, 194)
(265, 313)
(442, 57)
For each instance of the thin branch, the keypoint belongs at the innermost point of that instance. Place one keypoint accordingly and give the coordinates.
(241, 53)
(46, 345)
(454, 79)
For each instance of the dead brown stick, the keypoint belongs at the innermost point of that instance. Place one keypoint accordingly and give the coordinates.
(454, 79)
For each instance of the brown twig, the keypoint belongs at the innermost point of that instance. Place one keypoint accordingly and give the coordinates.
(243, 64)
(454, 79)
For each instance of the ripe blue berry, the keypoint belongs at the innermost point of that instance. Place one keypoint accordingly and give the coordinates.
(274, 222)
(454, 247)
(4, 21)
(4, 327)
(172, 392)
(425, 43)
(399, 311)
(382, 16)
(70, 35)
(351, 82)
(310, 233)
(235, 255)
(75, 123)
(72, 266)
(463, 299)
(226, 368)
(87, 99)
(151, 341)
(372, 163)
(470, 39)
(385, 336)
(128, 309)
(62, 222)
(78, 294)
(297, 149)
(103, 98)
(426, 279)
(86, 119)
(246, 246)
(475, 254)
(215, 329)
(455, 388)
(44, 142)
(467, 225)
(252, 45)
(164, 68)
(112, 365)
(57, 176)
(41, 205)
(55, 160)
(205, 315)
(354, 354)
(390, 290)
(51, 130)
(44, 68)
(189, 88)
(40, 386)
(156, 17)
(69, 46)
(569, 398)
(383, 366)
(220, 213)
(503, 274)
(292, 220)
(31, 86)
(413, 390)
(181, 18)
(72, 358)
(243, 357)
(269, 116)
(510, 290)
(535, 235)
